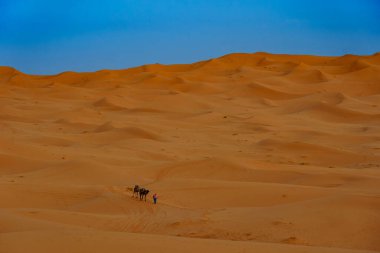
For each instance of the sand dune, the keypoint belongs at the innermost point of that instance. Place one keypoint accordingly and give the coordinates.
(107, 103)
(303, 73)
(247, 152)
(326, 111)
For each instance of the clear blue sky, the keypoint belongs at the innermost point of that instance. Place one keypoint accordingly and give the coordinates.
(51, 36)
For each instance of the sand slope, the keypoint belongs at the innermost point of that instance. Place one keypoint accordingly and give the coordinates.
(248, 153)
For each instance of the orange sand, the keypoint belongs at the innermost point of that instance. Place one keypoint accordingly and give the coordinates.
(247, 152)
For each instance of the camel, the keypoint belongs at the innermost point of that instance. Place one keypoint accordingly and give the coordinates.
(136, 191)
(143, 192)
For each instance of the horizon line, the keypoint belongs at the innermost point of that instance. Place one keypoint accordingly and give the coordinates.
(172, 64)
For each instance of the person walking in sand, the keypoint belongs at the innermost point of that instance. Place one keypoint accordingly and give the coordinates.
(155, 197)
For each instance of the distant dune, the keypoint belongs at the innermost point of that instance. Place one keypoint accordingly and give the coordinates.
(247, 152)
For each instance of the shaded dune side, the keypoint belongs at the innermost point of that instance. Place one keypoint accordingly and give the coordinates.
(317, 154)
(303, 73)
(359, 65)
(14, 164)
(231, 61)
(126, 132)
(324, 111)
(109, 104)
(74, 125)
(217, 169)
(345, 60)
(261, 90)
(6, 74)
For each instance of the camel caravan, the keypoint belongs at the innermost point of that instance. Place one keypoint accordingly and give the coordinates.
(140, 192)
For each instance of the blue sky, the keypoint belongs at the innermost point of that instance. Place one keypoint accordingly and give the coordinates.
(51, 36)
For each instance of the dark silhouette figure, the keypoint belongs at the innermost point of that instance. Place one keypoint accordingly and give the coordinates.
(136, 191)
(143, 192)
(155, 197)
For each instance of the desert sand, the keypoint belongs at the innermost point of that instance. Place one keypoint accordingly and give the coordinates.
(247, 152)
